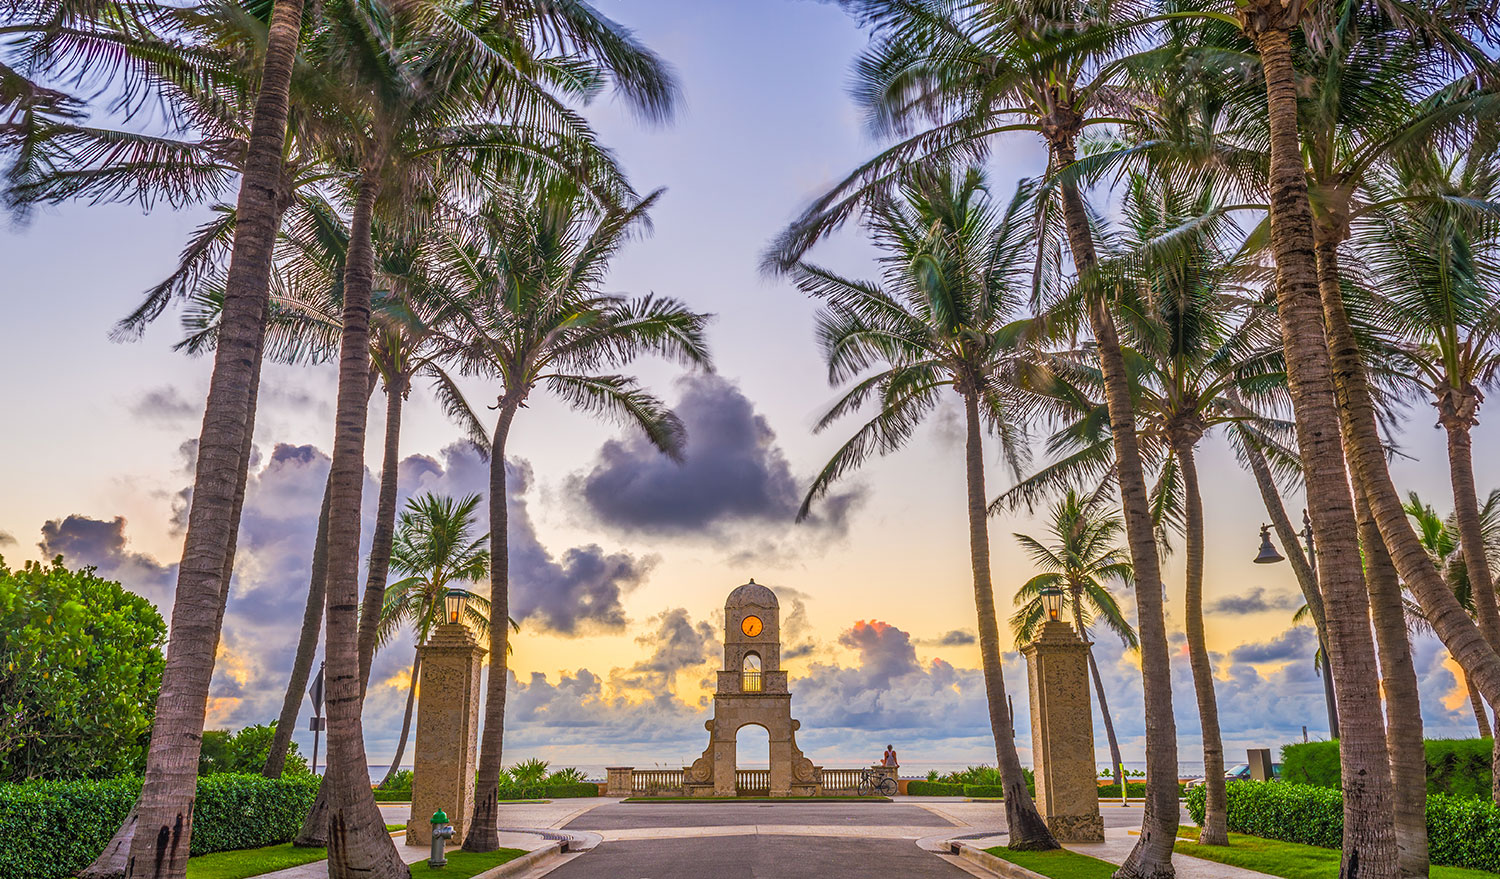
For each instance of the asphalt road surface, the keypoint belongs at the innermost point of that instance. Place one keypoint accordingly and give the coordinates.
(757, 857)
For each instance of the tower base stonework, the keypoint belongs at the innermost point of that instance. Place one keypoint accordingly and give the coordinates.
(447, 732)
(1062, 734)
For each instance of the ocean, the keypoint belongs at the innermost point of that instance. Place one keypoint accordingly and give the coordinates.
(915, 769)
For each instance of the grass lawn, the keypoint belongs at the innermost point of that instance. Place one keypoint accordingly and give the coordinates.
(255, 861)
(251, 862)
(1058, 863)
(462, 864)
(756, 800)
(1291, 860)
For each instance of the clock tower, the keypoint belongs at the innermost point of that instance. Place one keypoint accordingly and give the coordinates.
(752, 689)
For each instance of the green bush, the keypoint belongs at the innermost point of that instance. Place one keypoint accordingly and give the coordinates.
(984, 790)
(245, 751)
(1457, 767)
(52, 829)
(392, 796)
(1461, 832)
(80, 667)
(1135, 789)
(569, 789)
(934, 789)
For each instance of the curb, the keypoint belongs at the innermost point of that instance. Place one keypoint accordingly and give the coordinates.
(553, 849)
(987, 861)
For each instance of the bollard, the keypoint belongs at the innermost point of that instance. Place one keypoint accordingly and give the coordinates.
(442, 831)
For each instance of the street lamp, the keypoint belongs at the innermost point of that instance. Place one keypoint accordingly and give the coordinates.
(1268, 554)
(455, 602)
(1052, 599)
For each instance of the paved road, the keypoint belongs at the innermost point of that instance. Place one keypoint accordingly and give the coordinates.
(758, 857)
(624, 816)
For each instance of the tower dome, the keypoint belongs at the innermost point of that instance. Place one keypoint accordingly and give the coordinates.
(752, 594)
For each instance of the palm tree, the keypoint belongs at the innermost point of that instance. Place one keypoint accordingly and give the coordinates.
(953, 278)
(530, 272)
(1441, 538)
(1081, 560)
(977, 69)
(154, 839)
(434, 547)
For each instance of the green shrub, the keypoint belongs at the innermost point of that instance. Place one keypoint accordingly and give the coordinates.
(934, 789)
(1136, 789)
(397, 782)
(569, 789)
(392, 796)
(1457, 767)
(1461, 832)
(245, 751)
(984, 790)
(52, 829)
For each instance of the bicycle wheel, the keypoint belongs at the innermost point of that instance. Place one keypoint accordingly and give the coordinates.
(862, 788)
(886, 786)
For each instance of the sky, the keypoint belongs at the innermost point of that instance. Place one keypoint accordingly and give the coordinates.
(621, 559)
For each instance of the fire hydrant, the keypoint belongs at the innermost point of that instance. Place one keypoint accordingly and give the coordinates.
(442, 831)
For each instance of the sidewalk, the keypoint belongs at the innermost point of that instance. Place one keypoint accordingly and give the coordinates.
(1118, 842)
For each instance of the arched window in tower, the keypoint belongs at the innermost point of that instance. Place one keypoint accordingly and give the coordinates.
(750, 680)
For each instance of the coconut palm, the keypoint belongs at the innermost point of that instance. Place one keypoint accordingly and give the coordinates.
(435, 548)
(960, 73)
(1081, 559)
(952, 279)
(1441, 538)
(533, 316)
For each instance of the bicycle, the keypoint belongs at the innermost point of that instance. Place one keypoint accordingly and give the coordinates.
(876, 783)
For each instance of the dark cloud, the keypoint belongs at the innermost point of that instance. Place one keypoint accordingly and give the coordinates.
(1256, 601)
(676, 644)
(7, 539)
(734, 473)
(955, 638)
(1298, 642)
(166, 405)
(575, 593)
(101, 543)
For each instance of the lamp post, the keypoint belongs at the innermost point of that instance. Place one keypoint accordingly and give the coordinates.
(1268, 555)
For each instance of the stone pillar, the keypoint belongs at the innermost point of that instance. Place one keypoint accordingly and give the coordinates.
(447, 741)
(620, 781)
(1062, 734)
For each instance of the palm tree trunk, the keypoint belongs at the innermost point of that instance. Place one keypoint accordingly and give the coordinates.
(385, 529)
(1477, 703)
(1403, 706)
(411, 702)
(307, 648)
(1152, 856)
(1369, 830)
(1307, 578)
(1215, 814)
(155, 837)
(358, 844)
(1028, 832)
(484, 827)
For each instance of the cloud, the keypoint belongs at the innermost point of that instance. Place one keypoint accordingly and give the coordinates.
(165, 405)
(1255, 601)
(955, 638)
(101, 543)
(1298, 642)
(733, 473)
(676, 644)
(7, 539)
(574, 593)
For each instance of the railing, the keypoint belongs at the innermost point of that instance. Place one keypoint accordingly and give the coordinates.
(751, 682)
(842, 779)
(753, 781)
(646, 782)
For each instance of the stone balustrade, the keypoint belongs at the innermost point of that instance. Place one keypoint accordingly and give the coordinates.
(627, 781)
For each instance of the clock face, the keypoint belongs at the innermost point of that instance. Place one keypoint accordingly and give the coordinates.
(751, 626)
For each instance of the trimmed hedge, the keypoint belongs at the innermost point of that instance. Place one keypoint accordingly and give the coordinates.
(1461, 832)
(1136, 789)
(1457, 767)
(52, 829)
(933, 789)
(569, 790)
(984, 790)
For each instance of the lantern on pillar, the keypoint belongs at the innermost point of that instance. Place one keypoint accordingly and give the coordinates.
(1052, 601)
(455, 602)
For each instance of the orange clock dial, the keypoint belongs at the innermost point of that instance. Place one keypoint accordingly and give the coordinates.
(751, 626)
